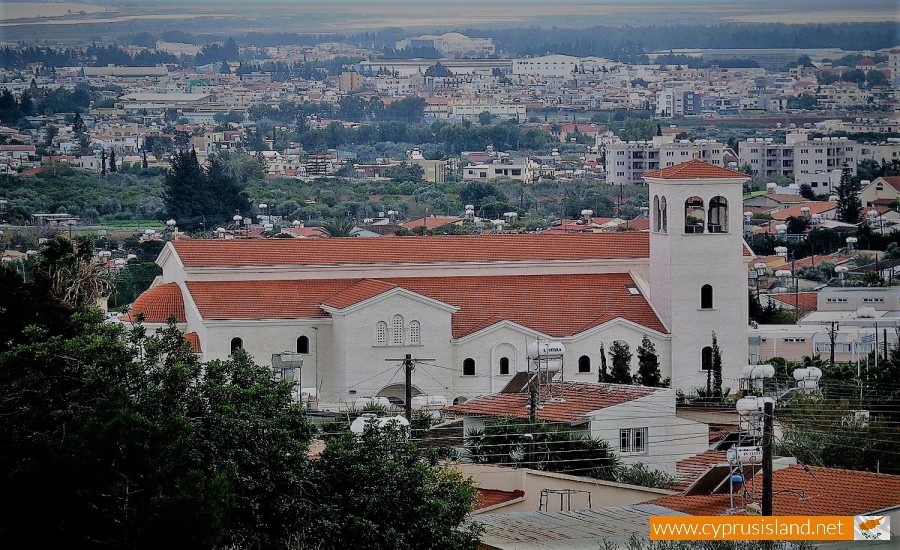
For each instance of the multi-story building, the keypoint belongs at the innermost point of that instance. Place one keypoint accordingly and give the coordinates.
(677, 102)
(546, 66)
(799, 155)
(627, 161)
(450, 44)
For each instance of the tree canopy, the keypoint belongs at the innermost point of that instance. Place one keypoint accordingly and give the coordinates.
(202, 198)
(115, 437)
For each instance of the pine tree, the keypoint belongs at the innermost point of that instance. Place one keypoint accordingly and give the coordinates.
(648, 364)
(621, 363)
(848, 203)
(716, 370)
(103, 162)
(184, 190)
(112, 161)
(144, 161)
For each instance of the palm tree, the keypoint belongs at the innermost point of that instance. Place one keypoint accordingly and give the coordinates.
(339, 228)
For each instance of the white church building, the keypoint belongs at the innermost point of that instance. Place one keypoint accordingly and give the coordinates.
(471, 304)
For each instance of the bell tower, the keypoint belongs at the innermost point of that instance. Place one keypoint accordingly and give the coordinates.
(698, 268)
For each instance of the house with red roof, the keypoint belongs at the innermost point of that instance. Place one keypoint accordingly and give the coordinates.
(803, 491)
(353, 306)
(637, 422)
(884, 190)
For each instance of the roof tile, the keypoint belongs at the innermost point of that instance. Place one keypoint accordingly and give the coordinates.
(556, 305)
(570, 402)
(399, 250)
(806, 491)
(695, 169)
(157, 304)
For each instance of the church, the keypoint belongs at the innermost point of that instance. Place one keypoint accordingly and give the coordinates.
(468, 306)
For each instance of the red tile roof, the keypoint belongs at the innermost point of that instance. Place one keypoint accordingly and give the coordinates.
(264, 299)
(640, 224)
(193, 340)
(688, 470)
(695, 169)
(493, 497)
(557, 305)
(815, 207)
(158, 303)
(570, 403)
(391, 250)
(817, 492)
(809, 301)
(363, 290)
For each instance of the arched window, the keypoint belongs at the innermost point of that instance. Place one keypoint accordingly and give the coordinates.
(504, 365)
(236, 344)
(663, 215)
(718, 215)
(303, 344)
(706, 297)
(469, 367)
(397, 330)
(584, 364)
(415, 333)
(706, 358)
(381, 333)
(694, 215)
(657, 218)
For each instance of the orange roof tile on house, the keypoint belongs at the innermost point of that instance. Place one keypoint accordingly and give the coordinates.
(815, 207)
(220, 300)
(809, 301)
(572, 402)
(492, 497)
(193, 340)
(363, 290)
(157, 304)
(432, 222)
(541, 302)
(695, 169)
(805, 491)
(688, 470)
(640, 224)
(402, 250)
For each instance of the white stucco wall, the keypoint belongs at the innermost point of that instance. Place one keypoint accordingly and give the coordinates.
(669, 438)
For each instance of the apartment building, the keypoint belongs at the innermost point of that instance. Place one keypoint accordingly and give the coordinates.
(627, 161)
(560, 66)
(677, 102)
(799, 155)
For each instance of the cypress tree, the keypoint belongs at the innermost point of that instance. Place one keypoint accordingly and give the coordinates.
(621, 363)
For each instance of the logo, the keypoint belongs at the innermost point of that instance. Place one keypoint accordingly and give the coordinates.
(871, 528)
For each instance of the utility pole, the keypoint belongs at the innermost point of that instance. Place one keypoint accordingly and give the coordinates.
(768, 420)
(409, 365)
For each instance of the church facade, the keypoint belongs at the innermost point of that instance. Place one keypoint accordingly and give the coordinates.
(469, 306)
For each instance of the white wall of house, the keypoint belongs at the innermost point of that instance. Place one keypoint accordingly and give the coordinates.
(668, 440)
